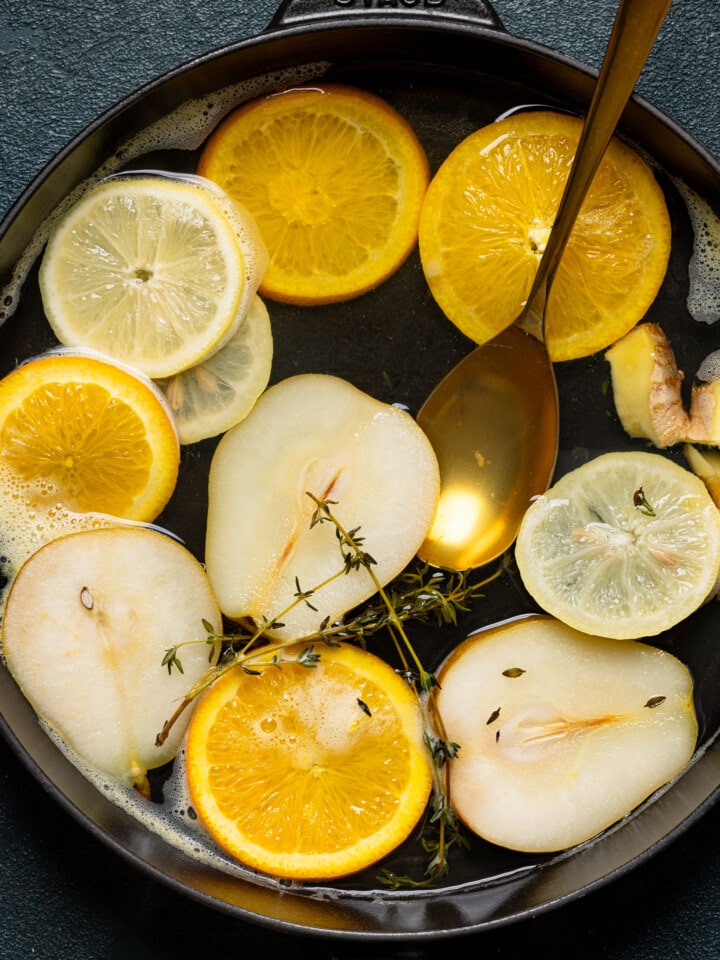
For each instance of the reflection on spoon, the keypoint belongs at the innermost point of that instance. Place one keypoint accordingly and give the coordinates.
(495, 440)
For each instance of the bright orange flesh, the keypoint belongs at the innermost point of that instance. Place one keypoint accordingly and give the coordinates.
(334, 178)
(88, 435)
(309, 773)
(488, 213)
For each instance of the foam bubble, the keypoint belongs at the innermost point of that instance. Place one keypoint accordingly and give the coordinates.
(709, 369)
(31, 514)
(174, 820)
(185, 128)
(704, 267)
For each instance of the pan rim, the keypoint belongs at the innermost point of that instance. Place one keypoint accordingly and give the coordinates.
(285, 35)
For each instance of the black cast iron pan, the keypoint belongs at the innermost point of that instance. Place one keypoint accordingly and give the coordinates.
(449, 67)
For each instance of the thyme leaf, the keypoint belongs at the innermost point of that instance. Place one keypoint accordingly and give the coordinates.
(171, 660)
(304, 594)
(641, 503)
(308, 658)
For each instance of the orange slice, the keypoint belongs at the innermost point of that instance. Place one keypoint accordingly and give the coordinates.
(334, 178)
(488, 213)
(86, 435)
(309, 773)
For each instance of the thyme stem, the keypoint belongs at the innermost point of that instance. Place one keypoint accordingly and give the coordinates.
(412, 595)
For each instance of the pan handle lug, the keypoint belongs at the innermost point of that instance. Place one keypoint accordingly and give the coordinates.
(476, 13)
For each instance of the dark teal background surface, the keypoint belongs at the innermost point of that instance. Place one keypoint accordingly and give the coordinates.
(63, 895)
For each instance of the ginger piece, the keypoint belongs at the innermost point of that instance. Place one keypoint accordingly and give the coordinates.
(646, 386)
(704, 425)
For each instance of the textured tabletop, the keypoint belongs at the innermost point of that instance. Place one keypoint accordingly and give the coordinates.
(63, 895)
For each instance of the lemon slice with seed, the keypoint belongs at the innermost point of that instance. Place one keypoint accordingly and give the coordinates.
(626, 546)
(148, 270)
(214, 395)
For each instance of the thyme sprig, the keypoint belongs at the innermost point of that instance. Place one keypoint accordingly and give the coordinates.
(422, 594)
(441, 829)
(355, 558)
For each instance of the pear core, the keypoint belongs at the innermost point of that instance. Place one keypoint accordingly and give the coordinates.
(314, 434)
(561, 734)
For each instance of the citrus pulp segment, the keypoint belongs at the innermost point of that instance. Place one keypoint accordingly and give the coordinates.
(219, 392)
(85, 435)
(625, 546)
(334, 178)
(487, 216)
(149, 270)
(309, 773)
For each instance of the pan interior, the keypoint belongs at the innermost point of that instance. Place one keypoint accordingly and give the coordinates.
(395, 344)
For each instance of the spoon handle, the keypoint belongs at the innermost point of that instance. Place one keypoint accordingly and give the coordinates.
(636, 26)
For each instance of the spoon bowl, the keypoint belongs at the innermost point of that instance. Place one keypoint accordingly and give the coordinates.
(493, 420)
(490, 475)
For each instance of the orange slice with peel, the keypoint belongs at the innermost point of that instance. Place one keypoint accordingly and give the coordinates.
(309, 773)
(334, 178)
(488, 213)
(83, 434)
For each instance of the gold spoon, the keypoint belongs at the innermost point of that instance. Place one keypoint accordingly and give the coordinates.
(493, 420)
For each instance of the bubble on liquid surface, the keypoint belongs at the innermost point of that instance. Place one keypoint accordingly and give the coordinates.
(185, 128)
(27, 520)
(709, 369)
(704, 267)
(31, 514)
(174, 820)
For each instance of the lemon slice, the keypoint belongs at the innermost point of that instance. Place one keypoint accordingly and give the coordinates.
(309, 773)
(334, 177)
(626, 546)
(214, 395)
(149, 270)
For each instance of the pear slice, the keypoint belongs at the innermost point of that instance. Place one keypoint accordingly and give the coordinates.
(561, 734)
(88, 620)
(316, 434)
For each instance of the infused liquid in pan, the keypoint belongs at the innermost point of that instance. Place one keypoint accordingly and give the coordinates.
(395, 344)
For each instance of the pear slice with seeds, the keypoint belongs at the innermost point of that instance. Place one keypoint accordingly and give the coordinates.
(561, 734)
(314, 434)
(88, 620)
